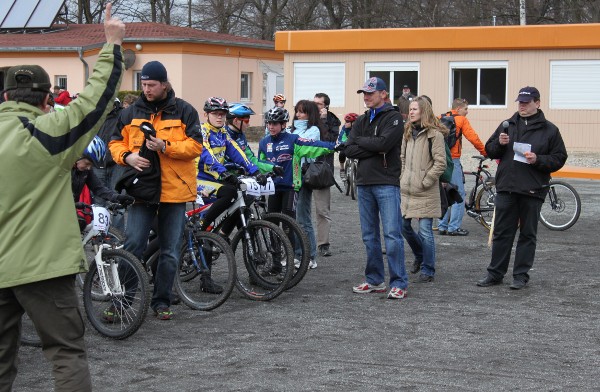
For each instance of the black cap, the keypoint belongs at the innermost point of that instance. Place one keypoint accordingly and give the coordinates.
(154, 70)
(528, 94)
(27, 76)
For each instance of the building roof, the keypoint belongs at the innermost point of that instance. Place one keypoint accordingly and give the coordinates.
(90, 36)
(573, 36)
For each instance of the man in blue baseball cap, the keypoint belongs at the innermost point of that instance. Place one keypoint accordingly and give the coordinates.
(375, 140)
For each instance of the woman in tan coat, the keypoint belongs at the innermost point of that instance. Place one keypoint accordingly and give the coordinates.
(423, 156)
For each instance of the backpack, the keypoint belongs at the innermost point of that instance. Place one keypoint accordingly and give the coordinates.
(447, 119)
(447, 174)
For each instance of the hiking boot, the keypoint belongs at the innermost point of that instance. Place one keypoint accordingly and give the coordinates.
(397, 293)
(365, 288)
(324, 250)
(163, 313)
(208, 285)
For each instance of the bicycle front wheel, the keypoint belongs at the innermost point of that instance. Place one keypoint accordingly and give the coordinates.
(205, 278)
(114, 238)
(119, 314)
(300, 241)
(265, 264)
(484, 204)
(562, 206)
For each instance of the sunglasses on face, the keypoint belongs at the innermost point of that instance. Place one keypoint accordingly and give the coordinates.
(244, 119)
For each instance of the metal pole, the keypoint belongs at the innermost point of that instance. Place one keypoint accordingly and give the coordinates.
(522, 14)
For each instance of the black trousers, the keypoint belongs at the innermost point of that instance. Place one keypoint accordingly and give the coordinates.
(514, 211)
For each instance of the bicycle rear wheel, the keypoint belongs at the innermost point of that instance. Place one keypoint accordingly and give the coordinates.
(119, 314)
(484, 204)
(206, 283)
(562, 206)
(265, 263)
(353, 190)
(295, 232)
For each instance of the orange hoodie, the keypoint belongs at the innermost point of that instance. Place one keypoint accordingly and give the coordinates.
(463, 125)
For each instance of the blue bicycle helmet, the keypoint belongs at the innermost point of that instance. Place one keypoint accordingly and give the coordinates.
(96, 152)
(239, 110)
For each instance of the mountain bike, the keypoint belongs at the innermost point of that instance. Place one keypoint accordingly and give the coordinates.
(562, 206)
(350, 180)
(115, 290)
(294, 232)
(480, 203)
(260, 247)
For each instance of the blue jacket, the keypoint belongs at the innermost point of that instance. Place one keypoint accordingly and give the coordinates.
(286, 150)
(217, 145)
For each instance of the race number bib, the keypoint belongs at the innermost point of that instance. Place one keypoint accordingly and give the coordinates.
(101, 220)
(252, 187)
(268, 189)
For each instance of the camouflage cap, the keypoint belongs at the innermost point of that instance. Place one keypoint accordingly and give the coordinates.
(27, 76)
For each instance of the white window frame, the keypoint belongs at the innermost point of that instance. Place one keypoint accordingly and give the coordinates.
(61, 80)
(479, 65)
(313, 78)
(574, 84)
(246, 96)
(137, 81)
(409, 66)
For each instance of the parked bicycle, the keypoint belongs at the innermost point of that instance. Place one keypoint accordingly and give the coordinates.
(350, 180)
(562, 206)
(480, 203)
(116, 296)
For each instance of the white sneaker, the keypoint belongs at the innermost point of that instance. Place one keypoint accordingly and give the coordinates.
(297, 263)
(312, 264)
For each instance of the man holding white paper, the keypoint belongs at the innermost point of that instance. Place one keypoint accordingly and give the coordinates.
(529, 148)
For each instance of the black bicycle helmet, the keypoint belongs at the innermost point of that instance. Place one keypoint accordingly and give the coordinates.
(277, 115)
(215, 103)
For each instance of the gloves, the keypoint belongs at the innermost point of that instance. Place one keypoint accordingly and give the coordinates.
(124, 200)
(261, 179)
(340, 147)
(228, 178)
(278, 170)
(148, 129)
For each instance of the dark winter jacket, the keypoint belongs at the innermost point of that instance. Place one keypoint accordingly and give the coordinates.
(376, 145)
(546, 142)
(79, 178)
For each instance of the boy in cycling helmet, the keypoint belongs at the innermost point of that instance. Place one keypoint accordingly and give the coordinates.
(84, 181)
(286, 150)
(238, 119)
(348, 121)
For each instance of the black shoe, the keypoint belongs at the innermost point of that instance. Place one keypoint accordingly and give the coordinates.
(518, 284)
(489, 281)
(424, 279)
(324, 250)
(209, 286)
(416, 267)
(460, 232)
(442, 232)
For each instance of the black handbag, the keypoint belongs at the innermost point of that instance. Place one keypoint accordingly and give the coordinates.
(317, 175)
(144, 185)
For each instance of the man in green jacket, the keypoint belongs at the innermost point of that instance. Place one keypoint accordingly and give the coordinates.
(40, 242)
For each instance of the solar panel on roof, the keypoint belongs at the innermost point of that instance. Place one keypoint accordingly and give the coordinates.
(45, 13)
(20, 14)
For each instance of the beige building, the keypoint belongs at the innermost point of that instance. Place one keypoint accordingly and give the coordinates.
(485, 65)
(200, 64)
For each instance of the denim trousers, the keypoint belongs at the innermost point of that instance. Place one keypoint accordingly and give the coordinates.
(422, 244)
(171, 221)
(514, 211)
(303, 216)
(375, 203)
(454, 216)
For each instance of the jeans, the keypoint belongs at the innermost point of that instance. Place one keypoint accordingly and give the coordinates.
(109, 176)
(303, 216)
(377, 202)
(456, 212)
(422, 244)
(514, 211)
(171, 221)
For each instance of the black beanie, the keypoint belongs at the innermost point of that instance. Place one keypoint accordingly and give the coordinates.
(154, 70)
